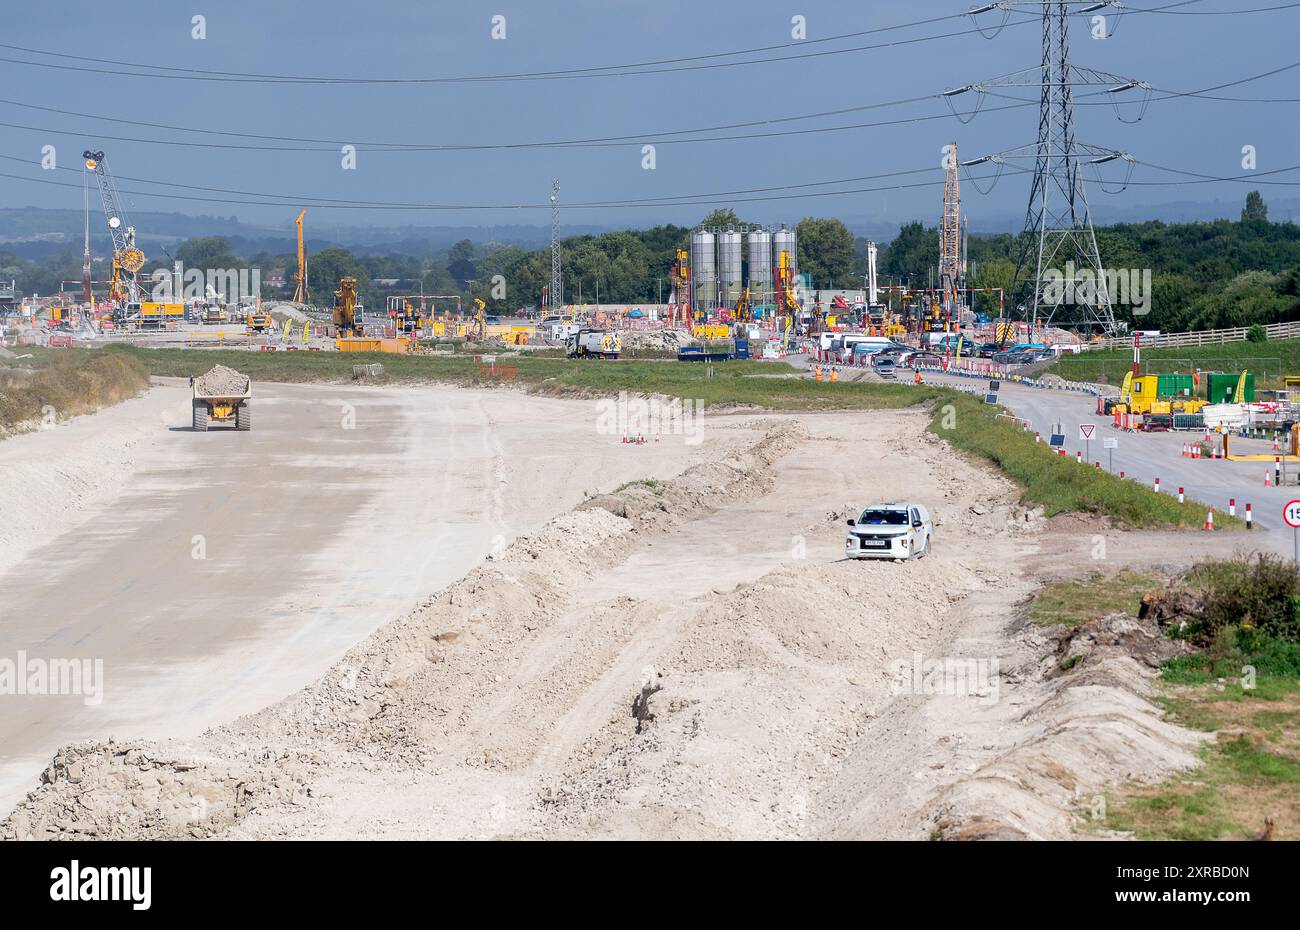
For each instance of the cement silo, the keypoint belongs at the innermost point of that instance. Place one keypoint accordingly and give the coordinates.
(784, 240)
(704, 272)
(760, 268)
(730, 267)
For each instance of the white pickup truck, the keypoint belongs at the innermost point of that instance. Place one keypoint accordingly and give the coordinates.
(890, 531)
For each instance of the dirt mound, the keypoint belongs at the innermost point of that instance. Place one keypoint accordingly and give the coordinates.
(396, 700)
(110, 791)
(1090, 723)
(654, 338)
(220, 381)
(756, 700)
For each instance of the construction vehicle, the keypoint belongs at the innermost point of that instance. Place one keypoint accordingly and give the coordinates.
(214, 314)
(480, 319)
(787, 307)
(346, 324)
(681, 277)
(742, 312)
(128, 259)
(222, 396)
(592, 343)
(256, 320)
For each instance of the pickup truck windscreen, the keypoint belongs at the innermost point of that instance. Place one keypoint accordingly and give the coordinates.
(883, 518)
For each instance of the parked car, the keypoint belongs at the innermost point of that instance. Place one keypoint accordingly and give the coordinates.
(1011, 358)
(890, 531)
(990, 349)
(921, 359)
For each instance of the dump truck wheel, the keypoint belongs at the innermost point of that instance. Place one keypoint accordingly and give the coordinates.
(244, 418)
(200, 417)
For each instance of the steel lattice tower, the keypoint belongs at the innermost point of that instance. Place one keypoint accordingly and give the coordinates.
(950, 231)
(557, 280)
(1061, 245)
(1058, 223)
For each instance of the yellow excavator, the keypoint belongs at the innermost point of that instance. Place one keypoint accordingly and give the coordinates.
(345, 309)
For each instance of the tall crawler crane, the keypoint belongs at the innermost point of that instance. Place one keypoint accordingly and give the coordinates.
(128, 259)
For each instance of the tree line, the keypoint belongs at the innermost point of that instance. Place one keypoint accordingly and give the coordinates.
(1204, 275)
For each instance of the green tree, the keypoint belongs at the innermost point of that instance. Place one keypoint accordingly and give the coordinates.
(1256, 210)
(206, 252)
(460, 262)
(826, 252)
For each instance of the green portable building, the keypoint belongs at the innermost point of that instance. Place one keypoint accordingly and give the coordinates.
(1174, 385)
(1221, 387)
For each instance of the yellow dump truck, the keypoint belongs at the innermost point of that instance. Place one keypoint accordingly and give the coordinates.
(222, 396)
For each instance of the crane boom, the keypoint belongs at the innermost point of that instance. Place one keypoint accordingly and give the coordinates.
(128, 259)
(301, 295)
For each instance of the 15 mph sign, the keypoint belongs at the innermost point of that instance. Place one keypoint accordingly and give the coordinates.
(1291, 514)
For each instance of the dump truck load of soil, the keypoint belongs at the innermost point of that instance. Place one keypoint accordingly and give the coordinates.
(221, 381)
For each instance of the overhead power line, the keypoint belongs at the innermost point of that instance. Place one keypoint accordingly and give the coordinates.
(237, 77)
(658, 137)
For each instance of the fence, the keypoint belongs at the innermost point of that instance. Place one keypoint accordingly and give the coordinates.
(1204, 337)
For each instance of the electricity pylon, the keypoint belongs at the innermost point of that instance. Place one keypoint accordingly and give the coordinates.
(1068, 287)
(950, 232)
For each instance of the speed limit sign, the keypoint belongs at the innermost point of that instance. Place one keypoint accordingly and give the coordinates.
(1291, 514)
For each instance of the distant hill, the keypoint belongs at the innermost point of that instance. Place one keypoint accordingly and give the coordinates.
(35, 233)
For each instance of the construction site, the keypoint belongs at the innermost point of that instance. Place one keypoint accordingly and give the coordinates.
(793, 542)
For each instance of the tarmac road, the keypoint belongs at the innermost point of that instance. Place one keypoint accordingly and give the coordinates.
(1147, 456)
(225, 570)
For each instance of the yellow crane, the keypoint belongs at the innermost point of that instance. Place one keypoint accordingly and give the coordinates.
(301, 294)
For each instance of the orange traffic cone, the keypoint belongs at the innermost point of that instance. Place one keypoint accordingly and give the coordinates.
(1209, 519)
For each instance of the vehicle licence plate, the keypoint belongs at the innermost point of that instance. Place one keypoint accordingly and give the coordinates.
(875, 543)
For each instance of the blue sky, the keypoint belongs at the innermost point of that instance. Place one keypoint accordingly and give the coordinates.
(386, 38)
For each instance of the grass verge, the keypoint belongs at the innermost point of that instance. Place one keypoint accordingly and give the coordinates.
(1071, 603)
(60, 384)
(1244, 686)
(736, 383)
(1059, 484)
(1269, 359)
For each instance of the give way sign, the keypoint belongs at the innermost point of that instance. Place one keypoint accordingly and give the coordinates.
(1086, 430)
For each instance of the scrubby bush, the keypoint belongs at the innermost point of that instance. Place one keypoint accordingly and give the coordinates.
(1256, 333)
(69, 382)
(1260, 595)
